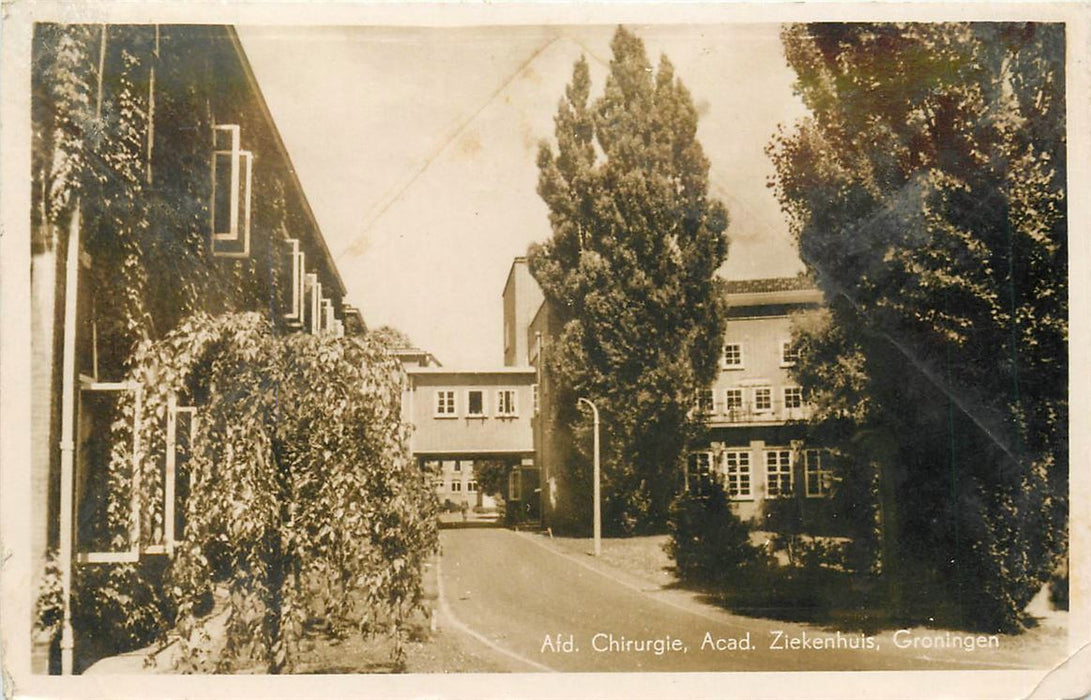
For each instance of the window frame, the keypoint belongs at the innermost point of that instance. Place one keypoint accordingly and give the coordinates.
(796, 391)
(724, 364)
(240, 166)
(484, 412)
(742, 467)
(769, 391)
(789, 355)
(132, 552)
(823, 476)
(437, 405)
(703, 394)
(513, 410)
(694, 460)
(740, 393)
(781, 471)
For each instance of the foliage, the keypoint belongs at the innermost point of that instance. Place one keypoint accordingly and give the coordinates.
(708, 541)
(927, 193)
(1058, 590)
(49, 604)
(393, 337)
(302, 497)
(299, 492)
(630, 271)
(144, 211)
(491, 476)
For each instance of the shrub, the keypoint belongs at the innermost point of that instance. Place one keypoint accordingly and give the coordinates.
(707, 539)
(1058, 590)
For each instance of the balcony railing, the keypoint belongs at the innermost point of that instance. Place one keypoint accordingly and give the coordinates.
(749, 412)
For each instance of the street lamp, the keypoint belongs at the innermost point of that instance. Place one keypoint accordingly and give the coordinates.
(598, 509)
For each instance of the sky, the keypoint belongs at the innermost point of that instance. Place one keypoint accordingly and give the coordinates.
(416, 148)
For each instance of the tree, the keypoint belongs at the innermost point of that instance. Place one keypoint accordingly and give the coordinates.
(927, 193)
(630, 271)
(491, 476)
(300, 497)
(391, 337)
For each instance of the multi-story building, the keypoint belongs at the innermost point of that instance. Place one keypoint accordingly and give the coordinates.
(162, 189)
(754, 410)
(464, 417)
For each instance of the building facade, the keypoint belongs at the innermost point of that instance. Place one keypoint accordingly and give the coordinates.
(463, 418)
(162, 189)
(754, 411)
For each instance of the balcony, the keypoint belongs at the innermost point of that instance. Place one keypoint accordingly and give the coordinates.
(747, 413)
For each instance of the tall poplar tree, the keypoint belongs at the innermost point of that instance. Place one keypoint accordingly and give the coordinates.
(927, 192)
(630, 272)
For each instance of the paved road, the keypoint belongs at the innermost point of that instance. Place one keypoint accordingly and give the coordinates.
(513, 592)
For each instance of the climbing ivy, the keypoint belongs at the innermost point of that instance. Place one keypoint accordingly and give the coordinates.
(303, 500)
(299, 498)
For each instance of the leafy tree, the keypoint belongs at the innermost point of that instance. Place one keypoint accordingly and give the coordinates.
(491, 476)
(630, 270)
(927, 193)
(301, 498)
(392, 337)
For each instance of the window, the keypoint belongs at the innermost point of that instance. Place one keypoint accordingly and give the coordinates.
(732, 358)
(733, 400)
(232, 175)
(778, 473)
(763, 398)
(456, 486)
(704, 402)
(445, 403)
(181, 429)
(700, 464)
(97, 405)
(737, 473)
(534, 397)
(793, 397)
(789, 353)
(456, 466)
(505, 402)
(471, 486)
(817, 477)
(475, 402)
(295, 304)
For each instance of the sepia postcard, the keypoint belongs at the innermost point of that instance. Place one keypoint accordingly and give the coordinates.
(544, 350)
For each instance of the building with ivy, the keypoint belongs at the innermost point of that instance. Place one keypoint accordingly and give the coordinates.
(161, 190)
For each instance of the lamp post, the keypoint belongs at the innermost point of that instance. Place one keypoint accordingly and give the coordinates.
(598, 508)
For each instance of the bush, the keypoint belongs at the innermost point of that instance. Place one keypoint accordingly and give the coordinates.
(708, 541)
(1058, 590)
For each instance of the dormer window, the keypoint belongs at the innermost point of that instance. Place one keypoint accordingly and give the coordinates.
(294, 316)
(232, 174)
